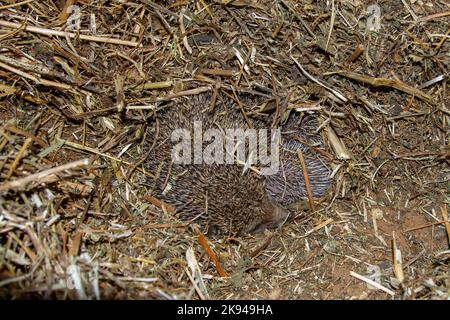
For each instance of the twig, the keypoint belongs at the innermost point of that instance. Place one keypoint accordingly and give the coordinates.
(372, 283)
(18, 157)
(338, 94)
(383, 82)
(424, 226)
(22, 277)
(183, 32)
(287, 5)
(58, 33)
(319, 226)
(159, 7)
(397, 258)
(446, 222)
(332, 19)
(14, 5)
(43, 82)
(218, 72)
(40, 175)
(24, 133)
(202, 240)
(307, 183)
(184, 93)
(196, 276)
(158, 203)
(435, 16)
(95, 151)
(411, 12)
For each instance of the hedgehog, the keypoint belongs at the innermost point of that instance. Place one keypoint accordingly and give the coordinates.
(230, 198)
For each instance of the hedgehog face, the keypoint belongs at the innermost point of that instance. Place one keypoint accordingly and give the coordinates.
(242, 207)
(270, 216)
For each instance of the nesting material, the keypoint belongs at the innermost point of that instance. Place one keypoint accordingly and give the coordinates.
(82, 102)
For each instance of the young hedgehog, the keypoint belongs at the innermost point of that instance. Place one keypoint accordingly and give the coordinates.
(222, 198)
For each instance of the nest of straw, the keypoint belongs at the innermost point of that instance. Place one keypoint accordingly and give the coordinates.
(80, 81)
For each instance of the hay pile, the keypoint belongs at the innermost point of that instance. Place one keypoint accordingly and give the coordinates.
(75, 219)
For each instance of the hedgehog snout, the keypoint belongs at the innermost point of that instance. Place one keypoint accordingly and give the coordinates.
(272, 217)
